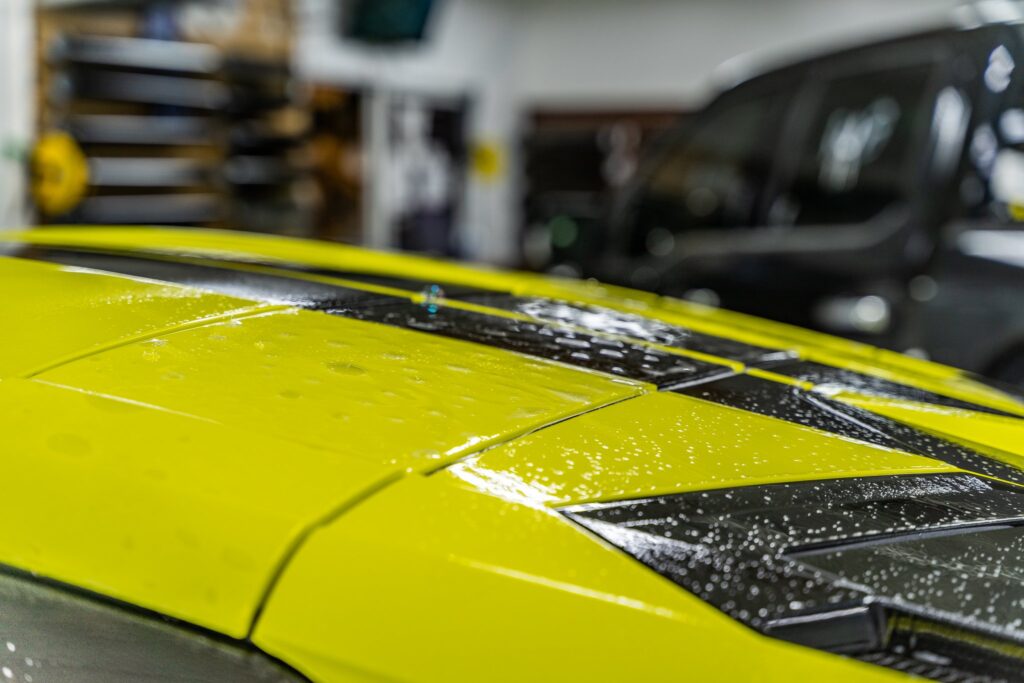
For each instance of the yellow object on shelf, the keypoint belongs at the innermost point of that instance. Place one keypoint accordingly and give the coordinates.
(60, 173)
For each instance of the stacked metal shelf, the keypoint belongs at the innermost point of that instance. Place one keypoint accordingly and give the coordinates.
(178, 132)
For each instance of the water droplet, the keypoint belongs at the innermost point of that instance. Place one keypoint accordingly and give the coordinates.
(343, 368)
(432, 296)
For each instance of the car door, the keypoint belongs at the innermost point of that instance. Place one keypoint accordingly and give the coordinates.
(708, 178)
(970, 312)
(853, 212)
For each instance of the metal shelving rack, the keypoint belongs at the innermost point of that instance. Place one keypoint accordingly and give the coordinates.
(175, 131)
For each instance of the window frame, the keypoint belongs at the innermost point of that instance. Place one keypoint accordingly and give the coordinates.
(789, 79)
(927, 51)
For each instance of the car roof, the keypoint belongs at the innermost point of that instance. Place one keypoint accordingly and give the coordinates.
(752, 67)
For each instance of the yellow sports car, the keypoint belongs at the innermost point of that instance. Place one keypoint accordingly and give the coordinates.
(245, 458)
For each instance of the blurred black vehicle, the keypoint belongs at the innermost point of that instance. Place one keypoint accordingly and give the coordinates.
(876, 193)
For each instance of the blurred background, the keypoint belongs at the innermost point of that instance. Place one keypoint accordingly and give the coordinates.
(660, 144)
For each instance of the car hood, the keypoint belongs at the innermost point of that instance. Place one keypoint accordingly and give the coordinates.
(208, 419)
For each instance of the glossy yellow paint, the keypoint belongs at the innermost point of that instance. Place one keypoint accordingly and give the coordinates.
(167, 511)
(452, 584)
(169, 447)
(668, 443)
(395, 397)
(53, 314)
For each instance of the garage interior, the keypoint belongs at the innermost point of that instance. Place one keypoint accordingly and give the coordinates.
(280, 116)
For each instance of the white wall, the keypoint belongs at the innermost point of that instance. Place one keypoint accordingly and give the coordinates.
(661, 52)
(17, 93)
(470, 53)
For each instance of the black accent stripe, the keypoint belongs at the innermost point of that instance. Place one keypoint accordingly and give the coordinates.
(550, 342)
(256, 286)
(720, 544)
(828, 377)
(809, 409)
(597, 319)
(898, 561)
(450, 290)
(70, 255)
(610, 321)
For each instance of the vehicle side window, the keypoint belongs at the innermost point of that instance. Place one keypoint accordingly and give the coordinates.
(992, 189)
(861, 151)
(713, 177)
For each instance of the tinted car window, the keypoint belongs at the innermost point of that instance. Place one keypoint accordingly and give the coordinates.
(713, 176)
(861, 148)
